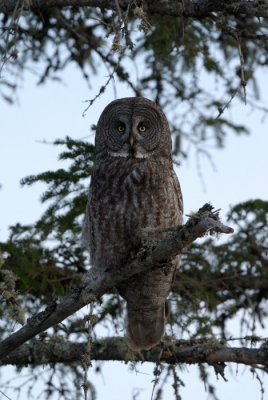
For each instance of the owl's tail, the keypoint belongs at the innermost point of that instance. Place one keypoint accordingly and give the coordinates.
(145, 327)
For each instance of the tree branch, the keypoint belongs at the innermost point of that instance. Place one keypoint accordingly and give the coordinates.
(116, 349)
(96, 284)
(224, 281)
(197, 9)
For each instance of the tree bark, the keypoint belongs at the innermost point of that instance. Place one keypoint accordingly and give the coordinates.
(116, 349)
(196, 9)
(96, 284)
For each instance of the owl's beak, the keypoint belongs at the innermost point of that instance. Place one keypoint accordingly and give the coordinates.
(131, 141)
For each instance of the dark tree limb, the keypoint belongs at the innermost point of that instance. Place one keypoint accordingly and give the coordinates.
(230, 281)
(196, 9)
(96, 284)
(116, 349)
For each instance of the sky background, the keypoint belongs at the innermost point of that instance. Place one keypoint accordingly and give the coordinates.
(53, 111)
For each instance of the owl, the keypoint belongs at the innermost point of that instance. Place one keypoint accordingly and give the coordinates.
(133, 186)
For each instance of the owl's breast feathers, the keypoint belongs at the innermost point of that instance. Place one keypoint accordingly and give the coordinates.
(125, 196)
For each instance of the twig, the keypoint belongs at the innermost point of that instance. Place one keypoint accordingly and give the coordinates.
(5, 395)
(86, 361)
(15, 16)
(221, 110)
(103, 88)
(243, 80)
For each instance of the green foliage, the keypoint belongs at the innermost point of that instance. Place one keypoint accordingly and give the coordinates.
(228, 279)
(46, 256)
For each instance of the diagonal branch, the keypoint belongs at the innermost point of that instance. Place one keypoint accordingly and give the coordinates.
(96, 284)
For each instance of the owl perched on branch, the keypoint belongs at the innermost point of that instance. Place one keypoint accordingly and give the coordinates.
(133, 186)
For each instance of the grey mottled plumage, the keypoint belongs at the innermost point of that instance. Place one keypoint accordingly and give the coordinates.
(133, 186)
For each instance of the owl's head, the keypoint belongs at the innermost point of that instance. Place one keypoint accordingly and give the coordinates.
(133, 127)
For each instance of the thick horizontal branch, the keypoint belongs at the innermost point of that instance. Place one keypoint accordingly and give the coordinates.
(196, 9)
(96, 284)
(116, 349)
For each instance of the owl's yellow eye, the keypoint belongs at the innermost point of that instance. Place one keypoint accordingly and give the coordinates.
(120, 128)
(142, 128)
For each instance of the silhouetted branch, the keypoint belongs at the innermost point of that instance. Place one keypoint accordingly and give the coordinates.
(197, 9)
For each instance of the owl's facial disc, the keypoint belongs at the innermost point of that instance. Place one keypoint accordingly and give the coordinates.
(134, 133)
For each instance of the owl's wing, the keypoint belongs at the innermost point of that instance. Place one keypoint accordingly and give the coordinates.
(85, 237)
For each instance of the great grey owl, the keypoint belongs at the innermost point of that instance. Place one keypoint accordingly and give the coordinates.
(133, 186)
